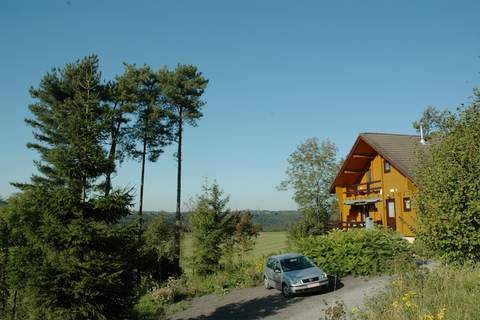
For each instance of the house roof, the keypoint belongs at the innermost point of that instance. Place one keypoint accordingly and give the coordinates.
(398, 149)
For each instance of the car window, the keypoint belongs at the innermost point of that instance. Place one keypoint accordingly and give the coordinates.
(296, 263)
(277, 265)
(270, 263)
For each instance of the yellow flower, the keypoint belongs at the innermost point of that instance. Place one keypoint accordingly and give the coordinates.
(395, 305)
(428, 317)
(441, 314)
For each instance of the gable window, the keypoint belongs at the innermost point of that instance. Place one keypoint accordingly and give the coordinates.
(407, 204)
(386, 166)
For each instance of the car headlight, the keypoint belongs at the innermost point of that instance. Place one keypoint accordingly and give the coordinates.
(296, 281)
(324, 275)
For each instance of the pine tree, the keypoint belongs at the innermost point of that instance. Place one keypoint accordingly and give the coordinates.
(212, 223)
(152, 130)
(71, 260)
(183, 89)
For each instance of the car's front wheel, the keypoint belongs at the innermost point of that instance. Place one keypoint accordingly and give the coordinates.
(266, 283)
(287, 293)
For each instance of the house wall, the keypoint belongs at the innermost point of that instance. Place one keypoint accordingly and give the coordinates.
(394, 185)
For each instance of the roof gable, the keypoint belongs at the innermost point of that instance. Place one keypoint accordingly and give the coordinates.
(398, 149)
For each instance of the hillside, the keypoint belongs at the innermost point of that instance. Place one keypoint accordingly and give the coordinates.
(269, 220)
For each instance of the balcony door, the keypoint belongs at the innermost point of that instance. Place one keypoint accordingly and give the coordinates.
(391, 220)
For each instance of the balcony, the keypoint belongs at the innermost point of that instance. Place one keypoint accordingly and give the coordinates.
(363, 190)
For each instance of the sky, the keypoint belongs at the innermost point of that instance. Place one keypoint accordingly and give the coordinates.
(279, 72)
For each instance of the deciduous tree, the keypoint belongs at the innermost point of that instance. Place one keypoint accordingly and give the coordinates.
(448, 199)
(310, 171)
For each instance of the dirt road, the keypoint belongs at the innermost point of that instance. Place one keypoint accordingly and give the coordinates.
(259, 303)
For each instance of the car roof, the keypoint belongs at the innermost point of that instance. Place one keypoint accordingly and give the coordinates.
(286, 255)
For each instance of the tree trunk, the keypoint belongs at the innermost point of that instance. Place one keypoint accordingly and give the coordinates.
(111, 158)
(178, 215)
(142, 179)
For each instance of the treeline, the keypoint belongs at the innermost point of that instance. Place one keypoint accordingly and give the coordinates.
(64, 253)
(268, 220)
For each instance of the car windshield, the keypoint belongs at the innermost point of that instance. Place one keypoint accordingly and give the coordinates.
(295, 263)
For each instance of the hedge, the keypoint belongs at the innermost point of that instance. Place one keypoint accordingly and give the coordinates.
(356, 251)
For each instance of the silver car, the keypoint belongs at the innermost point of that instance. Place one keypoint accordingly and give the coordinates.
(293, 273)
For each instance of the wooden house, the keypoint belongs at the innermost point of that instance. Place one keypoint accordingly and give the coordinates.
(376, 181)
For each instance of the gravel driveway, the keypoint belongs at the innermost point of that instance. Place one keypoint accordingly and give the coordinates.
(259, 303)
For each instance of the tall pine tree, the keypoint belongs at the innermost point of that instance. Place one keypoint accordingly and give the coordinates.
(183, 89)
(71, 260)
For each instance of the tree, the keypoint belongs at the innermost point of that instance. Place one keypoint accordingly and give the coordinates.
(71, 259)
(212, 224)
(183, 89)
(152, 130)
(237, 245)
(448, 197)
(158, 249)
(118, 98)
(432, 120)
(310, 171)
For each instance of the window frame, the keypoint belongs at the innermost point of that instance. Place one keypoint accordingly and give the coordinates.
(385, 164)
(405, 199)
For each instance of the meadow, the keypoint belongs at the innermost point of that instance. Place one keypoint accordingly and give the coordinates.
(266, 243)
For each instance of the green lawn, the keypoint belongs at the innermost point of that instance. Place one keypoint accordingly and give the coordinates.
(266, 243)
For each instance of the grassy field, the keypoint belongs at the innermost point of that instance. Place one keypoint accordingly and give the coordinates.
(266, 243)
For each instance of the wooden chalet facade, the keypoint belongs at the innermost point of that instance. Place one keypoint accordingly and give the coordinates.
(376, 181)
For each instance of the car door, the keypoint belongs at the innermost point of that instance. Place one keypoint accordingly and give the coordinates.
(277, 274)
(269, 270)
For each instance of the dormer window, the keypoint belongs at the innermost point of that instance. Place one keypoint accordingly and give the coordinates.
(386, 166)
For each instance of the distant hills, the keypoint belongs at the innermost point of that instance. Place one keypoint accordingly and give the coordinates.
(269, 220)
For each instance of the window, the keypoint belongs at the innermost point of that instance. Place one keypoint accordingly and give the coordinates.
(271, 263)
(407, 204)
(386, 166)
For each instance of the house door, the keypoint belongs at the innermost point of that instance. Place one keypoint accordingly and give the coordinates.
(391, 214)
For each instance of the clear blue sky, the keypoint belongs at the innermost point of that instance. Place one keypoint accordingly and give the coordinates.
(280, 72)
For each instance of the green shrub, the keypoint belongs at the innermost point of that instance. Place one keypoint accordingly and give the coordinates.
(447, 292)
(449, 199)
(356, 251)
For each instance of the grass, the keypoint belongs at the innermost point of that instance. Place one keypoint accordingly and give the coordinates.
(266, 243)
(447, 292)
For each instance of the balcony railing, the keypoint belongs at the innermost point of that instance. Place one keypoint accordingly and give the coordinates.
(345, 225)
(364, 188)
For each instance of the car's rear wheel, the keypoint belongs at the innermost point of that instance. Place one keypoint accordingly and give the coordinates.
(266, 283)
(286, 291)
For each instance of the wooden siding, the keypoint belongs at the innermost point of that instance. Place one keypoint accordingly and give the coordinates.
(393, 185)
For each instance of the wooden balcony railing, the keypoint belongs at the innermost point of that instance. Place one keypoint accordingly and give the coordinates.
(345, 225)
(364, 188)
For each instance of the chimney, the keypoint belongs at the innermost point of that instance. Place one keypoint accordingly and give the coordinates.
(422, 140)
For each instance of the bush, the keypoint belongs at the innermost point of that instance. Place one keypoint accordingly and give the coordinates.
(445, 293)
(356, 251)
(449, 199)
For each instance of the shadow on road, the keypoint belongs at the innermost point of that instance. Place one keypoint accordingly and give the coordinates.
(252, 309)
(259, 308)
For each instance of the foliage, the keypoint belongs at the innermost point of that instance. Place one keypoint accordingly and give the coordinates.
(212, 225)
(335, 312)
(171, 297)
(433, 120)
(236, 247)
(356, 251)
(68, 258)
(158, 250)
(310, 172)
(446, 292)
(182, 90)
(448, 199)
(219, 233)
